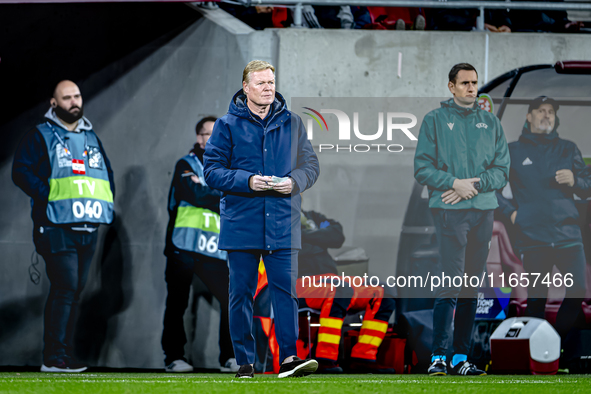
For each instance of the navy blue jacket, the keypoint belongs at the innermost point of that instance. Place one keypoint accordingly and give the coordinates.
(241, 146)
(546, 211)
(31, 171)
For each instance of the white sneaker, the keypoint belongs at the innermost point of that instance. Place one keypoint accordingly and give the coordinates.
(179, 366)
(230, 366)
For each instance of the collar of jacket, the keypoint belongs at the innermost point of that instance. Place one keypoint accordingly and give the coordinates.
(198, 152)
(83, 122)
(239, 108)
(461, 111)
(536, 139)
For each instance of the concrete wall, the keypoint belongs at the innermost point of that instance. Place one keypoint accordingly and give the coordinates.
(354, 63)
(145, 119)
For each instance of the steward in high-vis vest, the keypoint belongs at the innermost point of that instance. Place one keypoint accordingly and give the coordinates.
(62, 166)
(192, 247)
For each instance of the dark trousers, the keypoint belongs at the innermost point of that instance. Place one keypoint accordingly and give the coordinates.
(68, 255)
(568, 261)
(464, 241)
(179, 276)
(281, 267)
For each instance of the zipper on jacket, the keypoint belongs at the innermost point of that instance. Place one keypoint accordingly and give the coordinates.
(252, 117)
(269, 122)
(263, 127)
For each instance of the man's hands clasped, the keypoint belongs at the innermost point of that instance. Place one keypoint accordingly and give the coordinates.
(463, 189)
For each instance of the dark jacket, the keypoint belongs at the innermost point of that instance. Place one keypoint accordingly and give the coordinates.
(195, 194)
(461, 143)
(31, 171)
(243, 145)
(317, 237)
(546, 211)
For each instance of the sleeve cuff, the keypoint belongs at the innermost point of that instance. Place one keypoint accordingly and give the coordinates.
(295, 188)
(451, 183)
(242, 181)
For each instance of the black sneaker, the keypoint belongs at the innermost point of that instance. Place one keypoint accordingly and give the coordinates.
(437, 368)
(298, 368)
(245, 371)
(466, 368)
(61, 365)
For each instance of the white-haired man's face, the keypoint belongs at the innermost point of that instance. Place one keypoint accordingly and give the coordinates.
(260, 90)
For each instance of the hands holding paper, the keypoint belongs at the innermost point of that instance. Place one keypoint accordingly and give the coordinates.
(260, 183)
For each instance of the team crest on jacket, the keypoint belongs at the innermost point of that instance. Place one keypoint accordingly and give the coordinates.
(95, 157)
(481, 125)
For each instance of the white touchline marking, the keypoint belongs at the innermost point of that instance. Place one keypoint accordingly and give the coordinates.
(273, 381)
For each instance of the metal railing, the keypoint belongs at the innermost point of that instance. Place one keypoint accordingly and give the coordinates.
(481, 5)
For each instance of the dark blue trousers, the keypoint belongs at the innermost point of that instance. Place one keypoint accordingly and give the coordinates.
(67, 254)
(282, 267)
(464, 240)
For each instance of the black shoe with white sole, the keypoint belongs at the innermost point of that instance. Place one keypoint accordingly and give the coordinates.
(298, 368)
(466, 368)
(245, 371)
(437, 368)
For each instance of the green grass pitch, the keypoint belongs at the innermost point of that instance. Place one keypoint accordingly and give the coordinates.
(99, 383)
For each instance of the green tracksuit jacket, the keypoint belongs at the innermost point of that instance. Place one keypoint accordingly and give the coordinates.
(456, 142)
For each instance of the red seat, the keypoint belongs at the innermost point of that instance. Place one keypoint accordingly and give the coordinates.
(556, 294)
(386, 17)
(587, 303)
(501, 259)
(501, 255)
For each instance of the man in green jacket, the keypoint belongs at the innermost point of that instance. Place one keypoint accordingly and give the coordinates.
(462, 157)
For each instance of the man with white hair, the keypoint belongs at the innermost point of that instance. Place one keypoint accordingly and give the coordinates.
(259, 156)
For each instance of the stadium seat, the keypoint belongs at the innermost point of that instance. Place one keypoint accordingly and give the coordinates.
(586, 240)
(587, 303)
(556, 294)
(501, 254)
(501, 259)
(385, 18)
